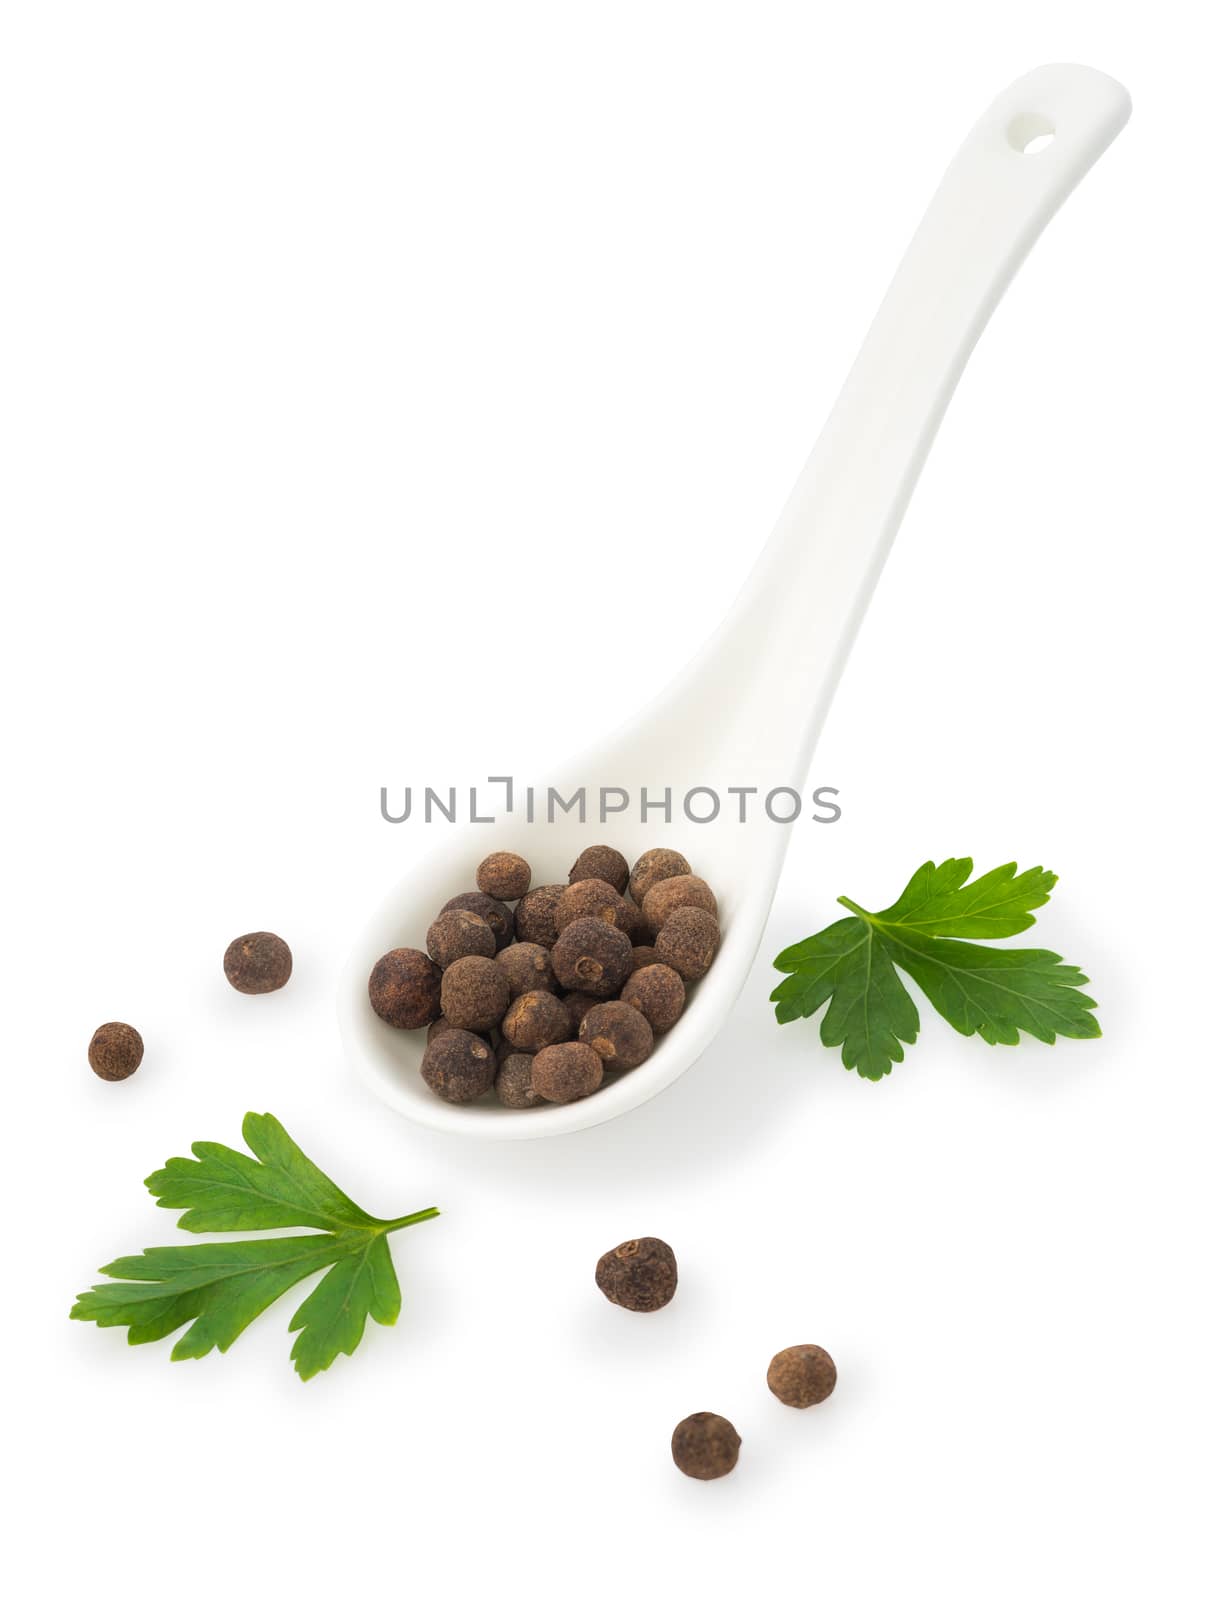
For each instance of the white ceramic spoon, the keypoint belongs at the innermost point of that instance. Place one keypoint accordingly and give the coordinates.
(748, 710)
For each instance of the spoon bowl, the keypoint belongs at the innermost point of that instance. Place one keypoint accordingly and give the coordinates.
(746, 714)
(389, 1059)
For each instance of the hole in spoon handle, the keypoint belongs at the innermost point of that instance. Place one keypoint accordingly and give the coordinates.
(795, 619)
(1019, 162)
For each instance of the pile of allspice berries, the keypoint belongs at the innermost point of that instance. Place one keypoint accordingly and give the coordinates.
(537, 993)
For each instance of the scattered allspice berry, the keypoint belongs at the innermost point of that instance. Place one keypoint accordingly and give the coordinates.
(499, 917)
(535, 915)
(115, 1051)
(537, 1019)
(565, 1072)
(689, 941)
(658, 994)
(601, 861)
(593, 957)
(257, 963)
(405, 989)
(453, 934)
(705, 1445)
(459, 1066)
(475, 993)
(527, 967)
(640, 1274)
(652, 867)
(504, 876)
(671, 894)
(803, 1375)
(589, 897)
(513, 1083)
(618, 1033)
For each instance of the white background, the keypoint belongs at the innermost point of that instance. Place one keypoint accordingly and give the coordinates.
(360, 360)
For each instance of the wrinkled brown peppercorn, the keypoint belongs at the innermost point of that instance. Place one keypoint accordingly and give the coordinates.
(115, 1051)
(453, 934)
(705, 1445)
(535, 915)
(504, 876)
(475, 993)
(527, 967)
(652, 867)
(459, 1066)
(803, 1375)
(404, 987)
(499, 917)
(565, 1072)
(658, 994)
(257, 963)
(618, 1033)
(513, 1083)
(537, 1019)
(601, 861)
(673, 893)
(689, 941)
(640, 1274)
(590, 897)
(593, 957)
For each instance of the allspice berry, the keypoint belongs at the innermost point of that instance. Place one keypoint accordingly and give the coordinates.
(803, 1375)
(630, 919)
(658, 994)
(527, 967)
(459, 1066)
(618, 1033)
(257, 963)
(537, 1019)
(705, 1445)
(640, 1274)
(601, 861)
(535, 915)
(475, 993)
(115, 1051)
(453, 934)
(513, 1083)
(652, 867)
(565, 1072)
(643, 955)
(672, 893)
(577, 1005)
(405, 988)
(504, 876)
(499, 917)
(689, 941)
(593, 957)
(589, 897)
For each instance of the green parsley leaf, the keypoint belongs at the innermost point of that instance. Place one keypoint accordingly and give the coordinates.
(996, 993)
(220, 1288)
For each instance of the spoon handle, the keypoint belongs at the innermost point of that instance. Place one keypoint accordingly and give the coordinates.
(797, 615)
